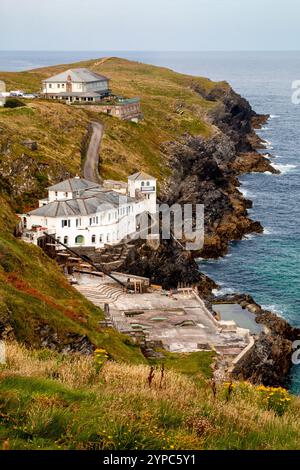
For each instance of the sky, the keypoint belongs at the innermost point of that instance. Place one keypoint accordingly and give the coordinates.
(167, 25)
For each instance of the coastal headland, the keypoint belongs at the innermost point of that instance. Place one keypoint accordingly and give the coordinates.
(197, 137)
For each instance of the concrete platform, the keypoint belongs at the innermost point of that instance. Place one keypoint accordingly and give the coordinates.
(180, 321)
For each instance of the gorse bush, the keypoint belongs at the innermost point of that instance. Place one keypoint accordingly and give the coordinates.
(275, 398)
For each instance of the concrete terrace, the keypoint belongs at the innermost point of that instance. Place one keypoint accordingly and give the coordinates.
(180, 322)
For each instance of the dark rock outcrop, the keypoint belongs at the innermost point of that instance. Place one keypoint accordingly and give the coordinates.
(268, 362)
(69, 343)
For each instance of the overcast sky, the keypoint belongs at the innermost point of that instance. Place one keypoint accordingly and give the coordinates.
(149, 25)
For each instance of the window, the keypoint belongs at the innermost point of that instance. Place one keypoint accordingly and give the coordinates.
(66, 194)
(109, 217)
(66, 223)
(56, 194)
(91, 221)
(78, 222)
(93, 238)
(79, 240)
(65, 240)
(143, 183)
(148, 183)
(108, 237)
(58, 85)
(101, 239)
(63, 85)
(50, 85)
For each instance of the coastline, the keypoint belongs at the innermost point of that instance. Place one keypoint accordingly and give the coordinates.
(206, 170)
(269, 361)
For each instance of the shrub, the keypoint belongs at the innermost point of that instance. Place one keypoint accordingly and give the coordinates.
(14, 103)
(275, 398)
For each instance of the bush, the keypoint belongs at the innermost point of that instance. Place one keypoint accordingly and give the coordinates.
(14, 103)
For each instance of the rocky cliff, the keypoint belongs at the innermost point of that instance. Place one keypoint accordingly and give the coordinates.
(205, 171)
(197, 137)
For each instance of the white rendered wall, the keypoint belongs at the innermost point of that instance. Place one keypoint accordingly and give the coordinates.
(109, 228)
(148, 189)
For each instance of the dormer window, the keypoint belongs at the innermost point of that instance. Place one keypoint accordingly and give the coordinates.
(143, 183)
(148, 183)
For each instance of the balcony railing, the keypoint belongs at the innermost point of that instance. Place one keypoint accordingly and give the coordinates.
(146, 189)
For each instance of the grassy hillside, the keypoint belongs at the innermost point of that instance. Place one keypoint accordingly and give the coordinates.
(35, 293)
(50, 401)
(170, 105)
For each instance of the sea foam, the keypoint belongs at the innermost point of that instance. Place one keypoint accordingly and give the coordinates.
(284, 168)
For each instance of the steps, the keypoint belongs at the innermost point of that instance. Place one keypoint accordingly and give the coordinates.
(100, 294)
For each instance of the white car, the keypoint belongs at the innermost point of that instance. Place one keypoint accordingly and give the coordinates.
(29, 96)
(16, 93)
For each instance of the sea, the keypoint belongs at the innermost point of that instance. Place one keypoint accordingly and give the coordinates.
(265, 266)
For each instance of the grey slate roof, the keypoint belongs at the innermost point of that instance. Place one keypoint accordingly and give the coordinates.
(73, 184)
(141, 175)
(93, 201)
(77, 75)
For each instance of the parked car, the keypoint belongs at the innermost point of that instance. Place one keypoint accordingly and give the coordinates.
(17, 93)
(29, 96)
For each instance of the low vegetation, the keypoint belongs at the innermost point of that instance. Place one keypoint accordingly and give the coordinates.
(52, 401)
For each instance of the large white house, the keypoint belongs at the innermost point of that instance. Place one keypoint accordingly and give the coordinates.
(78, 212)
(76, 85)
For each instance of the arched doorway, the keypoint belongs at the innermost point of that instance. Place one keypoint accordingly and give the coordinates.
(79, 240)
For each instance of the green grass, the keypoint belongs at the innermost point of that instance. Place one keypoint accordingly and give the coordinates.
(190, 364)
(53, 401)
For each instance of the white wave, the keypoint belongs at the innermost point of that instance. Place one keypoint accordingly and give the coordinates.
(249, 236)
(223, 291)
(245, 192)
(274, 116)
(273, 308)
(284, 168)
(267, 231)
(268, 145)
(249, 195)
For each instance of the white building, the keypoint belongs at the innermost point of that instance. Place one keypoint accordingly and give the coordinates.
(78, 212)
(76, 85)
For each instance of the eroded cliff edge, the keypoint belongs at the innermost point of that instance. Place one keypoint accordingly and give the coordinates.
(205, 171)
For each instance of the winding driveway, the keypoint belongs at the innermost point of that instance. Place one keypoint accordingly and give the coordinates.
(90, 169)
